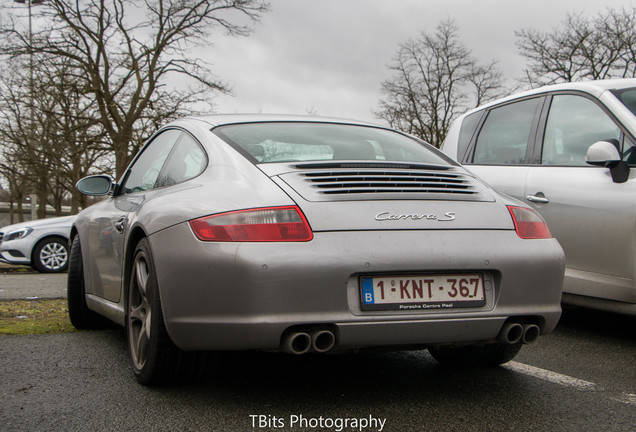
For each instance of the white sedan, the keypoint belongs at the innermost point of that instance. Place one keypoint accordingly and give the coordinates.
(42, 244)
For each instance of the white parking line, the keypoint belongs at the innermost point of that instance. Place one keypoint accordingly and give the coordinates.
(547, 375)
(627, 398)
(565, 380)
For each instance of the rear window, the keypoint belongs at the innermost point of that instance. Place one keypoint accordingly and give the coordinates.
(297, 142)
(466, 132)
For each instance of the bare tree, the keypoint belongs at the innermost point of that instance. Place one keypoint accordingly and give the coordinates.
(599, 47)
(74, 141)
(436, 79)
(123, 52)
(49, 134)
(13, 173)
(20, 160)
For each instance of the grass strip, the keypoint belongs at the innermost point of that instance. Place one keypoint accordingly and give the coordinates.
(38, 316)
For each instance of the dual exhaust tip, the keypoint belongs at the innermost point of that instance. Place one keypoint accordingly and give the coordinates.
(512, 333)
(322, 341)
(318, 341)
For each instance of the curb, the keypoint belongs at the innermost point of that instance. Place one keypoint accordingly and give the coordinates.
(15, 268)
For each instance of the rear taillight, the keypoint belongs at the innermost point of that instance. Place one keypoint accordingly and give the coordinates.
(271, 224)
(528, 223)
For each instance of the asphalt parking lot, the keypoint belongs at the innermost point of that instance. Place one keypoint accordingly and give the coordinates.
(580, 378)
(15, 285)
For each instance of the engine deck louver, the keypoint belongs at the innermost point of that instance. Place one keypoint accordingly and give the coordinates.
(322, 182)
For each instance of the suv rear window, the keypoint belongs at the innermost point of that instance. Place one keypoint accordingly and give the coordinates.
(503, 139)
(466, 132)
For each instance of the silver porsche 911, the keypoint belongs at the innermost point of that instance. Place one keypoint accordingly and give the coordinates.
(304, 235)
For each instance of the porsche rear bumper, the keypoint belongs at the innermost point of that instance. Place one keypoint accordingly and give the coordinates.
(234, 296)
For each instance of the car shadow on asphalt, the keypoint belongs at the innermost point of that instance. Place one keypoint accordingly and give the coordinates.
(368, 371)
(370, 377)
(599, 323)
(339, 384)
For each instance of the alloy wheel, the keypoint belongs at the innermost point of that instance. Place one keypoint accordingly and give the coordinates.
(53, 256)
(139, 312)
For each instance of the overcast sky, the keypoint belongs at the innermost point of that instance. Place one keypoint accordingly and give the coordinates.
(329, 57)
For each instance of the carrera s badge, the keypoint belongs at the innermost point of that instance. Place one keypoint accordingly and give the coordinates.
(387, 216)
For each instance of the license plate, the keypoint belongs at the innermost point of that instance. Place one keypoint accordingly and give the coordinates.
(418, 292)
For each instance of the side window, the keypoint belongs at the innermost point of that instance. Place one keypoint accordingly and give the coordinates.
(574, 124)
(145, 171)
(503, 139)
(629, 151)
(628, 98)
(187, 161)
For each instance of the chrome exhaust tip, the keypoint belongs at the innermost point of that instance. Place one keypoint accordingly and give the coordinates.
(297, 343)
(322, 341)
(531, 333)
(511, 333)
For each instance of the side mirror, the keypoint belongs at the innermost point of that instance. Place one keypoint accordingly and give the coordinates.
(602, 153)
(95, 185)
(605, 153)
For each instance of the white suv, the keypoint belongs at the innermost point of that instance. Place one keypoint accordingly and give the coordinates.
(567, 150)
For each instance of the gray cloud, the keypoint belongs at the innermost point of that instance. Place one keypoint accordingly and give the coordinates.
(330, 56)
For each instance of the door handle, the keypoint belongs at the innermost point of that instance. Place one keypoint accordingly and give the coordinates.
(538, 198)
(120, 224)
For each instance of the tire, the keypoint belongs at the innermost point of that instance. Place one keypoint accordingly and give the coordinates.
(154, 357)
(80, 315)
(475, 355)
(50, 255)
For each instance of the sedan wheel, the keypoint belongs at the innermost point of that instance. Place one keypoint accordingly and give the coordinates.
(51, 255)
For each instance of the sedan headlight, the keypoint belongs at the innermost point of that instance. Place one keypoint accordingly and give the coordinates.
(17, 234)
